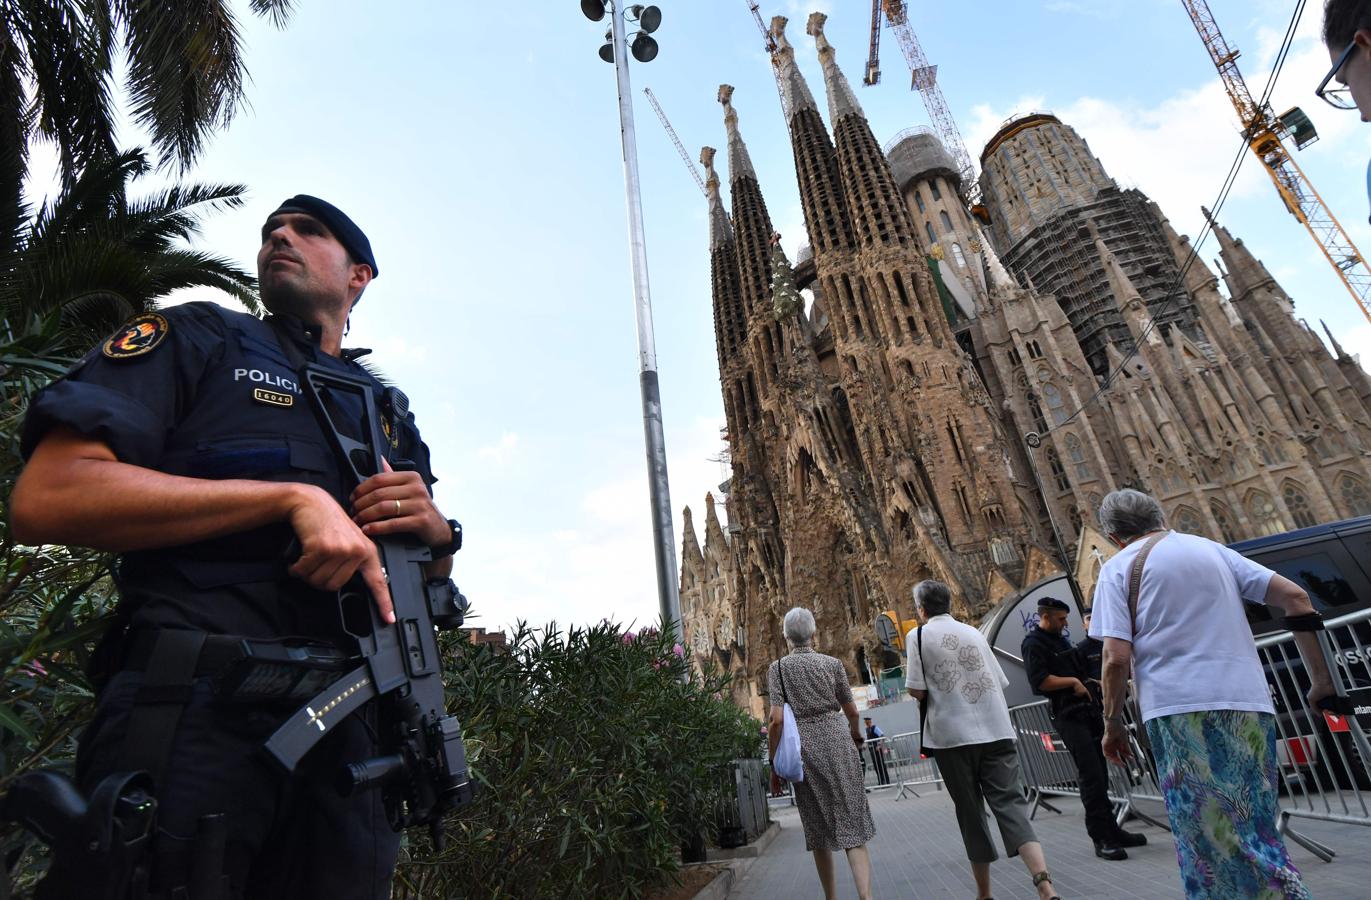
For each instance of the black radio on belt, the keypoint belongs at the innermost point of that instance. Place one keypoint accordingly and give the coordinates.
(276, 671)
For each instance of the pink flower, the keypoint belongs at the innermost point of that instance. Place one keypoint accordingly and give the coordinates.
(629, 637)
(679, 651)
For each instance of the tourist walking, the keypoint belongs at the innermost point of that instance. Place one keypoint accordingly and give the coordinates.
(1170, 606)
(953, 674)
(831, 798)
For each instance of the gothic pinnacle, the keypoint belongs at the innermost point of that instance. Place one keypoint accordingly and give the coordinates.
(720, 229)
(739, 163)
(795, 92)
(841, 101)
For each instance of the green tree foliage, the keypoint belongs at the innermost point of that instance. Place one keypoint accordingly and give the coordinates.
(183, 64)
(597, 754)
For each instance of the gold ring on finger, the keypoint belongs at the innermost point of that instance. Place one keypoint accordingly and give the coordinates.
(397, 507)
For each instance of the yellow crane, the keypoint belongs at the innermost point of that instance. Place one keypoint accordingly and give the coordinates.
(1264, 133)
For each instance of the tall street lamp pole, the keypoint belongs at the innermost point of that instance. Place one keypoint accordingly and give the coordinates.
(1034, 440)
(644, 49)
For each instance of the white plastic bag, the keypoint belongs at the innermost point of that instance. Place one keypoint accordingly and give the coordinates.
(786, 762)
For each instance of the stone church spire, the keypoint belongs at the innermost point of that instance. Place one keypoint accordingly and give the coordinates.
(877, 210)
(816, 163)
(751, 221)
(730, 330)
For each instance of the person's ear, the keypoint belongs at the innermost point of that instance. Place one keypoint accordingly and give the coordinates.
(1362, 38)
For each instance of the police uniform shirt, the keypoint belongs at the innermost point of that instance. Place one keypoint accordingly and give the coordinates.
(1047, 654)
(205, 392)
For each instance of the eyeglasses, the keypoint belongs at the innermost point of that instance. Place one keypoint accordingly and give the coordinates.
(1332, 92)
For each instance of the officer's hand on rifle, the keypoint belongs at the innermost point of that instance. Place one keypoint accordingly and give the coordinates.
(333, 548)
(393, 502)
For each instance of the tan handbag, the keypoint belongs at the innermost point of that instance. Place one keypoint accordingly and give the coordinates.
(1134, 584)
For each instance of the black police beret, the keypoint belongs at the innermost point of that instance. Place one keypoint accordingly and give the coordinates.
(343, 228)
(1052, 603)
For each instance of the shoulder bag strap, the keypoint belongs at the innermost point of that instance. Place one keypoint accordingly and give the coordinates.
(780, 673)
(1135, 578)
(923, 670)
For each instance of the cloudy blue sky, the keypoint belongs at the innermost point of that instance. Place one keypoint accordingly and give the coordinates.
(477, 144)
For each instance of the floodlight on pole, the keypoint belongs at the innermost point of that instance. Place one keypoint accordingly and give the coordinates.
(648, 18)
(594, 10)
(644, 49)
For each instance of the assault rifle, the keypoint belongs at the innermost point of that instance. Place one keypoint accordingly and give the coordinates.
(422, 771)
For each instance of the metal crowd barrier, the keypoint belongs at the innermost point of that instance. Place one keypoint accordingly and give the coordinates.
(1324, 760)
(907, 769)
(1050, 771)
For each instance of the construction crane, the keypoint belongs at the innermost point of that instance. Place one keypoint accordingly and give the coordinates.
(925, 81)
(671, 133)
(873, 57)
(769, 43)
(1264, 132)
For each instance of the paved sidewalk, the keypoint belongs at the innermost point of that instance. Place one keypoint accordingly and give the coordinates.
(917, 853)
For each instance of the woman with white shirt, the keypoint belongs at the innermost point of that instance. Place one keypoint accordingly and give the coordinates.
(955, 677)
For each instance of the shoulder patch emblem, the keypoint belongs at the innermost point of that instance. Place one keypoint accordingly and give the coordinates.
(139, 335)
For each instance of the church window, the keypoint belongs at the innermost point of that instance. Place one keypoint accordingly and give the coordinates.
(961, 502)
(959, 256)
(937, 192)
(1077, 454)
(1034, 351)
(1056, 406)
(1264, 513)
(918, 200)
(1188, 521)
(1298, 504)
(1058, 473)
(1224, 518)
(1039, 422)
(945, 220)
(932, 238)
(1265, 450)
(1014, 358)
(1355, 496)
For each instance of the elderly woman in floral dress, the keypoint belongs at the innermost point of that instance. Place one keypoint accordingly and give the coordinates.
(832, 798)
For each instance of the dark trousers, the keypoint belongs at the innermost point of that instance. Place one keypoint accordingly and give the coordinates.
(288, 835)
(878, 761)
(1081, 731)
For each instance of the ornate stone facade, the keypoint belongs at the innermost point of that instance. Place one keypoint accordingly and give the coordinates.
(875, 438)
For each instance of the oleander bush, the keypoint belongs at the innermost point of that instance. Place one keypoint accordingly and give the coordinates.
(598, 753)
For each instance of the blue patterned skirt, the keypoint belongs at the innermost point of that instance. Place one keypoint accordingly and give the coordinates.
(1218, 775)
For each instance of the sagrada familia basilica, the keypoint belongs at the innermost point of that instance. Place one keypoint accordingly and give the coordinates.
(878, 391)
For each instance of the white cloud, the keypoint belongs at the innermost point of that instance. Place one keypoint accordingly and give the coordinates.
(502, 450)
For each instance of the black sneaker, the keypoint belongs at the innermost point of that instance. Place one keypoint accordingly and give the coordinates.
(1130, 838)
(1110, 851)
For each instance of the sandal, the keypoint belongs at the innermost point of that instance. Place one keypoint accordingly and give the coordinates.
(1042, 876)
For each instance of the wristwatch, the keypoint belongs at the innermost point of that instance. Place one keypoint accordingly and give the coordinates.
(452, 546)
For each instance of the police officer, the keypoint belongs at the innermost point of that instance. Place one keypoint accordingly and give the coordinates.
(184, 443)
(1055, 672)
(1090, 654)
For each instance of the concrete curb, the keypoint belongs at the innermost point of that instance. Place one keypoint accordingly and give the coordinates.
(747, 851)
(719, 887)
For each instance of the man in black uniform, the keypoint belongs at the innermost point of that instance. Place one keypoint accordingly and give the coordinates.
(1090, 654)
(184, 443)
(1054, 671)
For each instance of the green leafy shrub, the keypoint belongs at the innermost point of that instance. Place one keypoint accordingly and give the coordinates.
(597, 754)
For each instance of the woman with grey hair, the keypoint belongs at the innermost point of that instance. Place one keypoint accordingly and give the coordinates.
(1169, 608)
(832, 798)
(960, 685)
